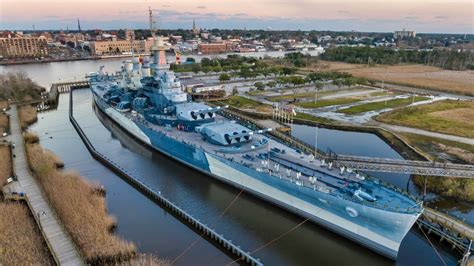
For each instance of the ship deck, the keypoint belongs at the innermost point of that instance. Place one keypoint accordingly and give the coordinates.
(292, 166)
(299, 169)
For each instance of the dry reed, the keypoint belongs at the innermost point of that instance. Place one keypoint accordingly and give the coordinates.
(82, 211)
(21, 242)
(3, 105)
(28, 116)
(145, 260)
(5, 164)
(4, 123)
(30, 137)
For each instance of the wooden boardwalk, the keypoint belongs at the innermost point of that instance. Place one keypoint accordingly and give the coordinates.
(59, 242)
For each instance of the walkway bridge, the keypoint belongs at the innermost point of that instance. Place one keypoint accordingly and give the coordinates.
(403, 166)
(365, 163)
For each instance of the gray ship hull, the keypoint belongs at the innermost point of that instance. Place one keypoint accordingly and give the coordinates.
(379, 230)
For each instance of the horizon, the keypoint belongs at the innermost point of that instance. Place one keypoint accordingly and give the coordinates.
(432, 17)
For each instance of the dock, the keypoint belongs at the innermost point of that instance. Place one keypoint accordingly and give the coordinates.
(59, 242)
(449, 229)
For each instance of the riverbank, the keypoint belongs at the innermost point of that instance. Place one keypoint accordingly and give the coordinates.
(33, 61)
(81, 207)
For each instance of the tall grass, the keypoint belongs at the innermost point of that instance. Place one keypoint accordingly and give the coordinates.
(421, 117)
(28, 116)
(4, 123)
(3, 104)
(21, 242)
(5, 164)
(82, 211)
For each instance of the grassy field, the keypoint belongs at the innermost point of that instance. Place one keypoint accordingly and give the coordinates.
(245, 103)
(324, 103)
(381, 105)
(449, 117)
(419, 76)
(82, 211)
(301, 95)
(21, 242)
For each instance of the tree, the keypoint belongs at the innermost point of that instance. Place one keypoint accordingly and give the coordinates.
(224, 77)
(288, 71)
(271, 84)
(318, 85)
(259, 85)
(337, 82)
(235, 91)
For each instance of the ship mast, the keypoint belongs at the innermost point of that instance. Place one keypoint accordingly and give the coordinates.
(157, 50)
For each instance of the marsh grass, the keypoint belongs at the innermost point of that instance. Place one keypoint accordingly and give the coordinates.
(5, 164)
(28, 116)
(21, 242)
(4, 123)
(82, 211)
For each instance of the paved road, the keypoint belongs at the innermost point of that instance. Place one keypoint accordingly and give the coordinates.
(59, 241)
(397, 128)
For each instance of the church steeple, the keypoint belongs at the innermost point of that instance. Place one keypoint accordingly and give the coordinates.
(79, 25)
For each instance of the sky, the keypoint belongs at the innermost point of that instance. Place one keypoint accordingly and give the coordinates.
(427, 16)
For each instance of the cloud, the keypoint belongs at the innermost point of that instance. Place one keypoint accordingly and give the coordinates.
(411, 17)
(344, 12)
(440, 17)
(201, 7)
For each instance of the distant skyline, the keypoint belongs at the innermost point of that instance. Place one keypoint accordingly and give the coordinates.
(431, 16)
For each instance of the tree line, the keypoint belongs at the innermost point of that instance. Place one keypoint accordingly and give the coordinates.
(446, 59)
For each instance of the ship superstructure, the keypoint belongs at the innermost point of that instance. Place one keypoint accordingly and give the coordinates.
(146, 99)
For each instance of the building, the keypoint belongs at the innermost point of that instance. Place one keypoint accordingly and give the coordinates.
(120, 47)
(404, 34)
(129, 34)
(23, 47)
(195, 30)
(214, 48)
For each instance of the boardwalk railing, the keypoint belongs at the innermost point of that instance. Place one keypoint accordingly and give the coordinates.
(211, 234)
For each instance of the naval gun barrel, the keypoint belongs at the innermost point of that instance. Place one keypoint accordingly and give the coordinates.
(248, 134)
(209, 111)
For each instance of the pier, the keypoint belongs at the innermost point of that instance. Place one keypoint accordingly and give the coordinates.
(59, 242)
(210, 234)
(450, 230)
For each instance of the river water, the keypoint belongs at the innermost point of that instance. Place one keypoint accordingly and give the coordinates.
(249, 222)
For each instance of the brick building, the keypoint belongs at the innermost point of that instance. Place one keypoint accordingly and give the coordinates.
(23, 47)
(120, 46)
(214, 48)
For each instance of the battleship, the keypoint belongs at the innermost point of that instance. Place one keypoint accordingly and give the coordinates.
(147, 100)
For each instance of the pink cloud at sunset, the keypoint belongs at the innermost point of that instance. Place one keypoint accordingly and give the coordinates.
(360, 15)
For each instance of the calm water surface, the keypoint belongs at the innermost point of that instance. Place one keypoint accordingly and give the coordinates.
(250, 222)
